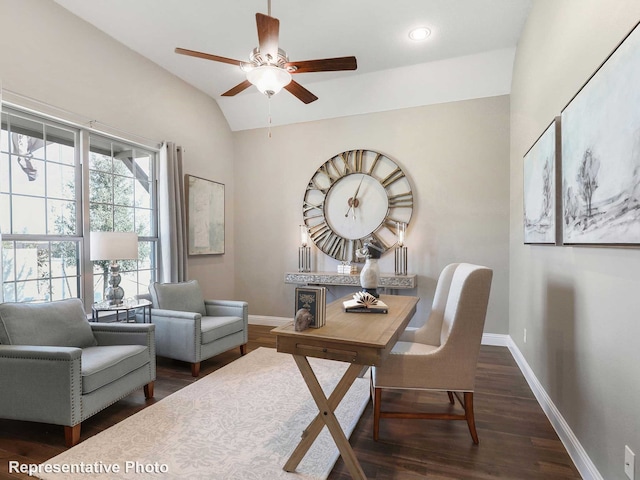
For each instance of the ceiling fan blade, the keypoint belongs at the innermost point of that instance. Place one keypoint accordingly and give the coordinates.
(300, 92)
(208, 56)
(324, 65)
(241, 87)
(268, 32)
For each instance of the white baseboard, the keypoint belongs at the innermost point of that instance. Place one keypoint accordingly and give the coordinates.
(495, 339)
(268, 321)
(583, 463)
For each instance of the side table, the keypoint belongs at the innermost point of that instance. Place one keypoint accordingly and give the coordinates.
(126, 307)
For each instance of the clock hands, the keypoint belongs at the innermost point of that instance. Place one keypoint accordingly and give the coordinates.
(353, 201)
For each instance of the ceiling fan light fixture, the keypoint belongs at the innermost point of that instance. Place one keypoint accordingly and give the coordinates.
(269, 79)
(420, 33)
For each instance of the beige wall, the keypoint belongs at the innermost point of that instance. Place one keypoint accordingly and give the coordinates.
(579, 305)
(54, 57)
(456, 156)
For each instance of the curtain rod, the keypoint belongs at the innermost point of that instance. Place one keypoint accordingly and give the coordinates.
(18, 100)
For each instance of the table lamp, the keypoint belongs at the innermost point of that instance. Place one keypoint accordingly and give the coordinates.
(114, 246)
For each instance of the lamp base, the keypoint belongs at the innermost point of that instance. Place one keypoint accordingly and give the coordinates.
(114, 293)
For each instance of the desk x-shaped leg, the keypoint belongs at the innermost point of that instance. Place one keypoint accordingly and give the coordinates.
(326, 417)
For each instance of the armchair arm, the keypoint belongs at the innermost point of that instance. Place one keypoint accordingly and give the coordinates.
(222, 308)
(159, 312)
(41, 384)
(124, 333)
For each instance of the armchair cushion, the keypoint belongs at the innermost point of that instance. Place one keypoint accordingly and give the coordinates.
(60, 324)
(105, 364)
(183, 297)
(214, 328)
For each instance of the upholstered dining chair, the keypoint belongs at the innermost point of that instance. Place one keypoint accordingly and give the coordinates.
(192, 329)
(443, 354)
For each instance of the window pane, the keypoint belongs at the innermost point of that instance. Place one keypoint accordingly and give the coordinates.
(101, 217)
(9, 291)
(4, 135)
(62, 288)
(64, 259)
(143, 222)
(145, 255)
(99, 161)
(123, 190)
(123, 219)
(129, 283)
(143, 194)
(60, 145)
(62, 217)
(28, 215)
(8, 263)
(98, 287)
(145, 278)
(5, 213)
(27, 176)
(26, 138)
(32, 291)
(123, 164)
(61, 181)
(4, 172)
(100, 187)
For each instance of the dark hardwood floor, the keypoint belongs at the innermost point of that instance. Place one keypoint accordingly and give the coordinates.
(516, 439)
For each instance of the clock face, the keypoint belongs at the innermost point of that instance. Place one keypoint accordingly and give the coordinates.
(356, 195)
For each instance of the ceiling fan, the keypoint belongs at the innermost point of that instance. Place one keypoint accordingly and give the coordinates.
(269, 68)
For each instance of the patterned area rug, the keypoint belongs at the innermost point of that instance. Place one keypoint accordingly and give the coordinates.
(239, 422)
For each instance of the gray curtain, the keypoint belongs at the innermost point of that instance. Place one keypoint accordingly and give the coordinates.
(172, 222)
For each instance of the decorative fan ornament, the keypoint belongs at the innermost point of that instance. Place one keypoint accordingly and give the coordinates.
(269, 68)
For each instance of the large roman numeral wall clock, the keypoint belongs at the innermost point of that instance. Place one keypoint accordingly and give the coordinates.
(354, 196)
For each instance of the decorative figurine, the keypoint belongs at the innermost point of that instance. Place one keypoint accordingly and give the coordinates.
(303, 320)
(370, 274)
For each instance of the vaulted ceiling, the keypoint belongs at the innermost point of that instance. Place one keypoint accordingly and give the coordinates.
(469, 53)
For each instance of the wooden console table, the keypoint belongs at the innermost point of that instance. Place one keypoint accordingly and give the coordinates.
(361, 339)
(330, 278)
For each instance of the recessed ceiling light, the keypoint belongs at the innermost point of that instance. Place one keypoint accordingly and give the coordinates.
(420, 33)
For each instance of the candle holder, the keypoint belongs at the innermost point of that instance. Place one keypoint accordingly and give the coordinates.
(304, 252)
(304, 259)
(401, 250)
(401, 260)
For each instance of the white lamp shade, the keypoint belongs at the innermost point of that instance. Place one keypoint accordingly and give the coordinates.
(114, 245)
(269, 79)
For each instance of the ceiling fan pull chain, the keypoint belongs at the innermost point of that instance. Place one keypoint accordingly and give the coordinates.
(269, 115)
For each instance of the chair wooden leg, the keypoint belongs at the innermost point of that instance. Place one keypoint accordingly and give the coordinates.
(468, 412)
(195, 369)
(148, 390)
(377, 398)
(451, 400)
(243, 349)
(72, 435)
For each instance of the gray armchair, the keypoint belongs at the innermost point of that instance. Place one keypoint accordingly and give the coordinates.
(56, 367)
(192, 329)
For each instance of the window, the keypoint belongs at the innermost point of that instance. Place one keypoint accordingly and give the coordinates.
(44, 214)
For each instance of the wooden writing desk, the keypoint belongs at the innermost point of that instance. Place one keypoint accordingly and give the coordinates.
(361, 339)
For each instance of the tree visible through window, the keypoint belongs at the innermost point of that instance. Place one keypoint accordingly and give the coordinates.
(42, 212)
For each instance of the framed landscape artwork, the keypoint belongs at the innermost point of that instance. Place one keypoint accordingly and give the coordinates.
(539, 175)
(601, 153)
(205, 216)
